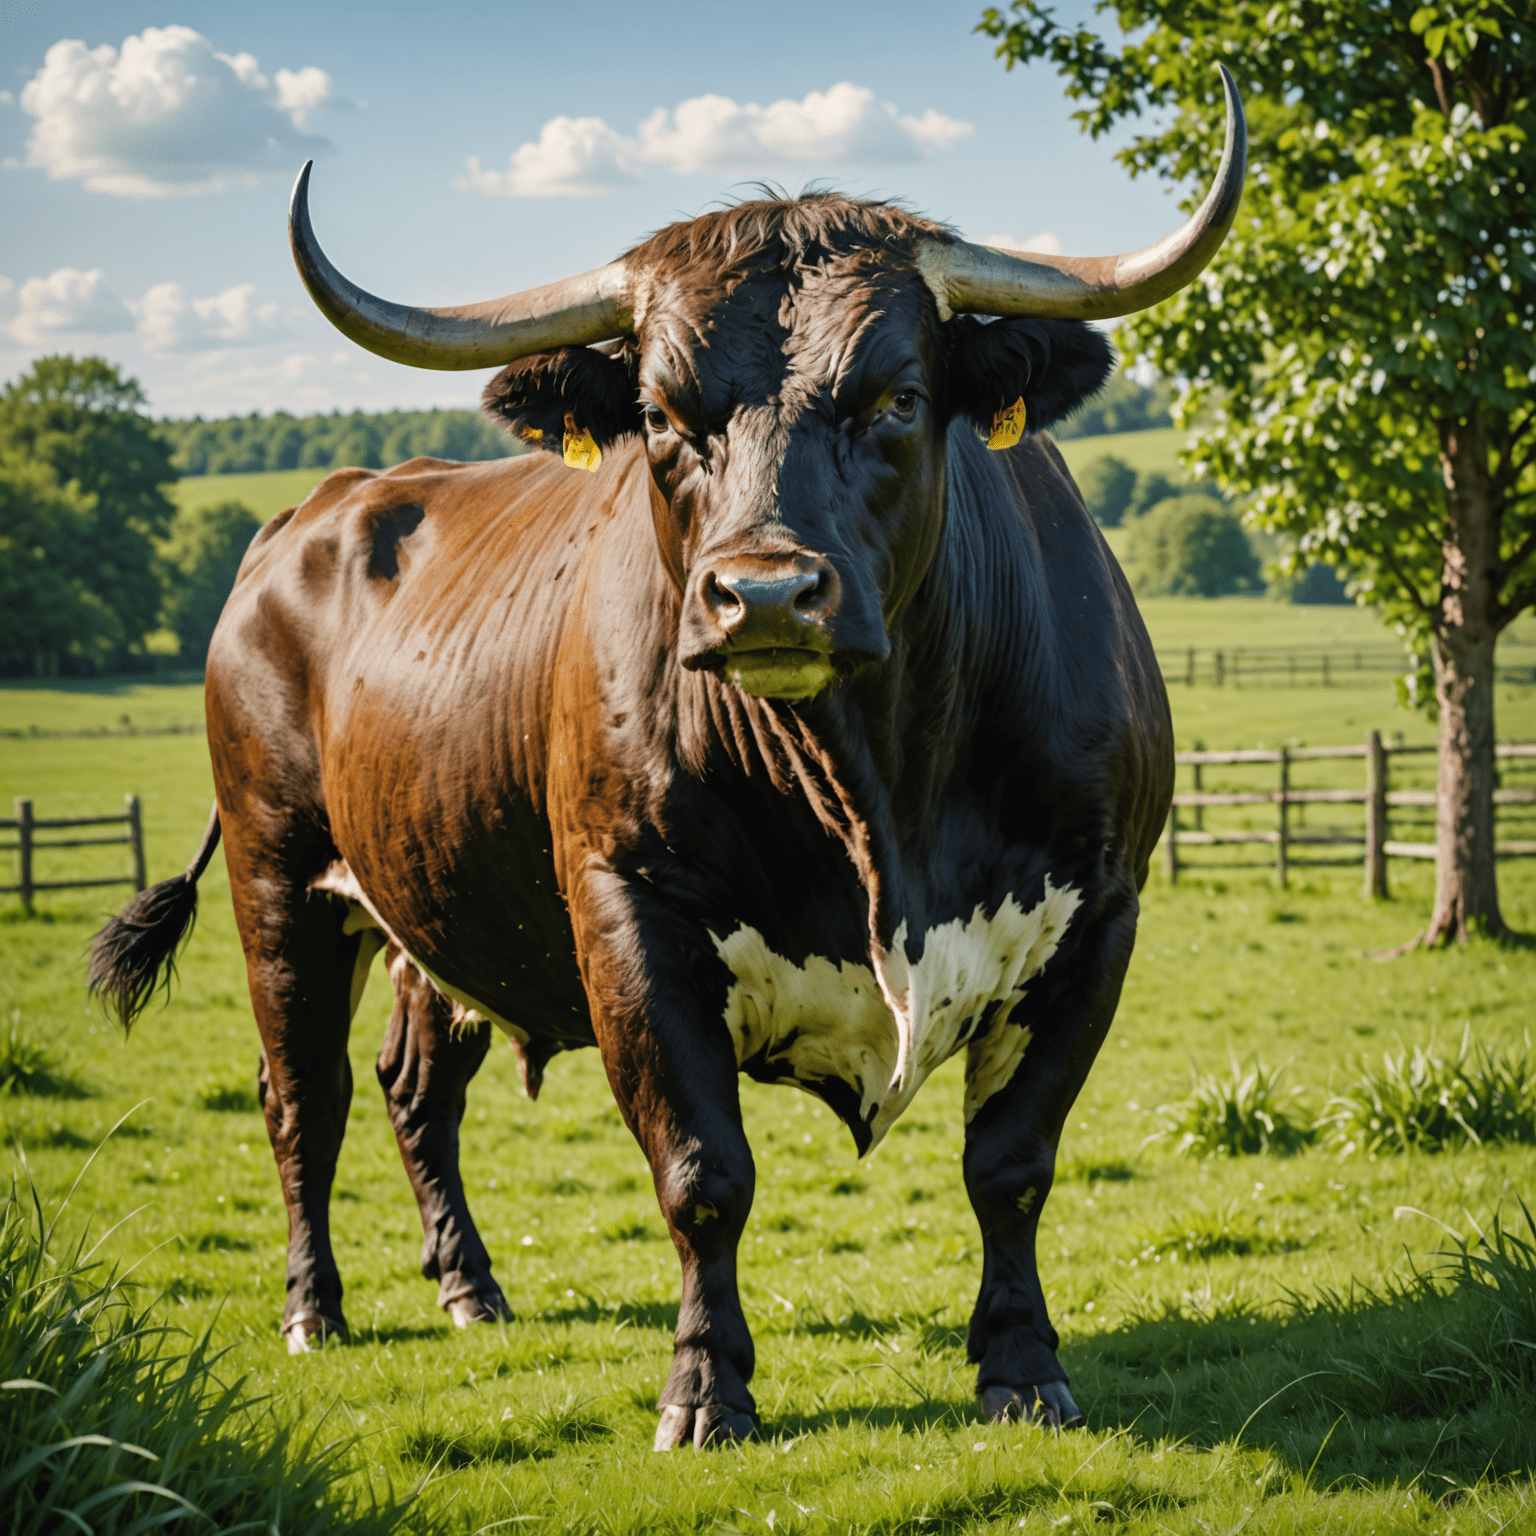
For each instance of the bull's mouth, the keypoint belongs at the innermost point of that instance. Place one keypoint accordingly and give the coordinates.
(780, 672)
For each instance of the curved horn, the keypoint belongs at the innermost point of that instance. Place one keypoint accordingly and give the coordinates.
(592, 307)
(986, 280)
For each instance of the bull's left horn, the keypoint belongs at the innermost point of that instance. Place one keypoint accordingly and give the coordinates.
(986, 280)
(592, 307)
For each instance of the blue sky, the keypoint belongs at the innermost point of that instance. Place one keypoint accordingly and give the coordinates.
(464, 151)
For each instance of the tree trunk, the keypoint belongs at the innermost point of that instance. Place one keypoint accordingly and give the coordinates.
(1465, 631)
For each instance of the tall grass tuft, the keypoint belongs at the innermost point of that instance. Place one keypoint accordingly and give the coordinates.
(1248, 1111)
(28, 1064)
(111, 1422)
(1421, 1100)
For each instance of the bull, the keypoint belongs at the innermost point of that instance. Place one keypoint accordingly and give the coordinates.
(788, 716)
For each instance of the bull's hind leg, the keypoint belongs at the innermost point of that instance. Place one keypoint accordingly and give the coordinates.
(1010, 1163)
(304, 961)
(424, 1069)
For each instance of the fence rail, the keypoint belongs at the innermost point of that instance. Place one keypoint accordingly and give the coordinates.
(1376, 797)
(1259, 666)
(27, 826)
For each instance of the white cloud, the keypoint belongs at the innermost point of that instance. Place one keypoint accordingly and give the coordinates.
(166, 115)
(168, 321)
(574, 157)
(843, 127)
(1045, 243)
(67, 303)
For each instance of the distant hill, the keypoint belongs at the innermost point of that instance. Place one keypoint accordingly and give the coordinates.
(255, 444)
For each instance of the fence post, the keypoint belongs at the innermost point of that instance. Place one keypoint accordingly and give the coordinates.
(24, 842)
(1326, 681)
(1189, 668)
(1221, 669)
(136, 837)
(1375, 815)
(1199, 786)
(1173, 845)
(1281, 850)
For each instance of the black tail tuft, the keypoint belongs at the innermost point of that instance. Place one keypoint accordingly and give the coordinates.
(136, 951)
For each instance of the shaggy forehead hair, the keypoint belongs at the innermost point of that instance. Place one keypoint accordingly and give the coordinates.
(784, 230)
(838, 246)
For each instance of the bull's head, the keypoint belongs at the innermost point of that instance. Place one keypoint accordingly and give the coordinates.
(793, 367)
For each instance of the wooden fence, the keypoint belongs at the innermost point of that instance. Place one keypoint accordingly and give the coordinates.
(27, 826)
(1376, 796)
(1293, 666)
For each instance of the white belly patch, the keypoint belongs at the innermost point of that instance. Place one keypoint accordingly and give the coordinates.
(882, 1029)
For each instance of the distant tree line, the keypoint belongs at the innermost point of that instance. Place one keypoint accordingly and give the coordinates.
(245, 445)
(1122, 406)
(98, 566)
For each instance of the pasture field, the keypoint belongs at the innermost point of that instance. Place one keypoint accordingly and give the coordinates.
(1231, 1326)
(265, 494)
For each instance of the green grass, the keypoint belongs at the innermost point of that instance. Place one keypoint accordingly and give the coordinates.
(265, 494)
(1154, 451)
(114, 1420)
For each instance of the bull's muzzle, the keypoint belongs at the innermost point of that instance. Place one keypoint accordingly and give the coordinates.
(767, 623)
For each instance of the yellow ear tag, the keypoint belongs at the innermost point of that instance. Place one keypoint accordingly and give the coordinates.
(1008, 425)
(580, 451)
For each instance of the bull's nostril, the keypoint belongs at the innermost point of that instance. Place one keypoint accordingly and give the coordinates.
(814, 596)
(720, 597)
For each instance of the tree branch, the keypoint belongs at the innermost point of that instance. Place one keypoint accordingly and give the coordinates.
(1390, 561)
(1521, 553)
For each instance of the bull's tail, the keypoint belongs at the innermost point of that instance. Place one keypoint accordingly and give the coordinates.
(136, 951)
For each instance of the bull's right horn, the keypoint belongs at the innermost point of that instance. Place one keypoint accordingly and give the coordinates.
(988, 280)
(595, 306)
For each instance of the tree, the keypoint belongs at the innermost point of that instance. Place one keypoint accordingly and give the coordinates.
(1122, 405)
(1107, 484)
(1364, 339)
(84, 421)
(1191, 546)
(47, 609)
(199, 562)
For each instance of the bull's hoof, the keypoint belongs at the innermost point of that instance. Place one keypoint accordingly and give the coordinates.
(477, 1307)
(714, 1424)
(311, 1331)
(1049, 1404)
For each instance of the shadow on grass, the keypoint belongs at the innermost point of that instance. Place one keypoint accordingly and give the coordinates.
(1411, 1383)
(402, 1333)
(1114, 1498)
(634, 1314)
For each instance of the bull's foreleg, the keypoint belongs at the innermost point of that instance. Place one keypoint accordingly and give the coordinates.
(1010, 1162)
(424, 1069)
(670, 1063)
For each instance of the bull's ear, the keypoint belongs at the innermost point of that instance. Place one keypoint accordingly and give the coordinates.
(1052, 365)
(532, 397)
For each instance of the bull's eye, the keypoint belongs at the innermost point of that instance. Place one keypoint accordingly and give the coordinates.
(905, 404)
(656, 418)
